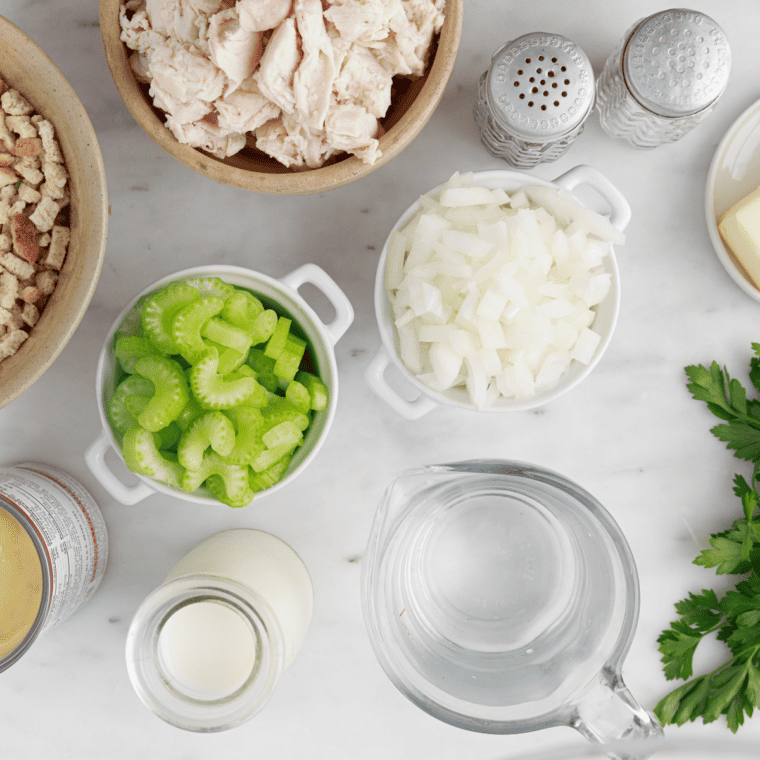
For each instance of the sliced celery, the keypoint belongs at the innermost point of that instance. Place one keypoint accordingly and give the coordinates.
(241, 310)
(281, 410)
(159, 310)
(285, 434)
(216, 485)
(171, 393)
(289, 360)
(211, 429)
(298, 396)
(249, 428)
(235, 477)
(317, 390)
(264, 368)
(143, 457)
(260, 481)
(187, 325)
(224, 333)
(276, 343)
(212, 286)
(129, 348)
(214, 391)
(118, 415)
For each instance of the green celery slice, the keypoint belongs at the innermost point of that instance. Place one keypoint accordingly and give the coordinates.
(215, 484)
(317, 390)
(264, 326)
(284, 434)
(235, 477)
(276, 343)
(211, 429)
(143, 457)
(298, 396)
(270, 457)
(281, 410)
(263, 366)
(159, 310)
(222, 332)
(171, 393)
(212, 286)
(260, 481)
(120, 418)
(241, 309)
(215, 391)
(192, 410)
(249, 428)
(289, 360)
(187, 325)
(167, 438)
(129, 348)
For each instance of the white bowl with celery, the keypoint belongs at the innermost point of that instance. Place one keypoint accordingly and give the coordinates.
(497, 291)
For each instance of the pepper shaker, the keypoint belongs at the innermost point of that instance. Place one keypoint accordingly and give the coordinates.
(665, 76)
(534, 99)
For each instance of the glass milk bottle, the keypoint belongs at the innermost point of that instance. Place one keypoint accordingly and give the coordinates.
(664, 78)
(534, 99)
(206, 650)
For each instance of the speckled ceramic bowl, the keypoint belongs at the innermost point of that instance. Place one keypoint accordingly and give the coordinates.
(25, 67)
(413, 103)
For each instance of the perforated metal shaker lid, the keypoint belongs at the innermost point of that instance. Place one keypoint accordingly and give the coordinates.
(540, 86)
(676, 62)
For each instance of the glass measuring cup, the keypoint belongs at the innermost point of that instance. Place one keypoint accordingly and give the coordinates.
(501, 597)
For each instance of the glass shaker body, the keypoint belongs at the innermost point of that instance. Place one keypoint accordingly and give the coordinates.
(206, 649)
(534, 99)
(665, 76)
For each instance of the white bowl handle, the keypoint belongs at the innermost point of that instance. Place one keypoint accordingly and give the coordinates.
(95, 458)
(374, 374)
(314, 275)
(587, 175)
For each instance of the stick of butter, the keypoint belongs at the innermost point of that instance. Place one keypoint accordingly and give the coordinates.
(740, 229)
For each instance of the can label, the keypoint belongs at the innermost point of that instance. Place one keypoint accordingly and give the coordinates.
(71, 527)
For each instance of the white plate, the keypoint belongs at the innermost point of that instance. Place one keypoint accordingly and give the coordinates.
(734, 174)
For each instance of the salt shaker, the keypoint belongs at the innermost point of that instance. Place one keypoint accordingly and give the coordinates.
(534, 99)
(665, 77)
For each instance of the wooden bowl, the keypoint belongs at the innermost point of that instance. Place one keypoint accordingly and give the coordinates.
(25, 67)
(413, 103)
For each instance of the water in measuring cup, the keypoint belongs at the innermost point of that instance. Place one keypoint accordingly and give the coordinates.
(503, 597)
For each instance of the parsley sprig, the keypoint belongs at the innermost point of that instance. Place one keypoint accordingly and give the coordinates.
(733, 689)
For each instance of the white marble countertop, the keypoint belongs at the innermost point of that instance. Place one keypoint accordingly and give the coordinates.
(630, 434)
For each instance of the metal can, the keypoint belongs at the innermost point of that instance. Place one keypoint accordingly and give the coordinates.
(53, 553)
(534, 99)
(665, 76)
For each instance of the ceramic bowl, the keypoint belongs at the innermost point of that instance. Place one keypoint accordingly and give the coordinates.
(425, 399)
(25, 67)
(280, 294)
(413, 103)
(734, 173)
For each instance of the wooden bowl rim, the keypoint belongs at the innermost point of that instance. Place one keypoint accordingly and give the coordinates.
(287, 181)
(47, 344)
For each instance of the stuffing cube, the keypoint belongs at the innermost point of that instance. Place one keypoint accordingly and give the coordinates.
(59, 241)
(13, 264)
(15, 104)
(8, 290)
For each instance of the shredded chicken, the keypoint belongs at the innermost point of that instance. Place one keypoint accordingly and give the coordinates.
(303, 79)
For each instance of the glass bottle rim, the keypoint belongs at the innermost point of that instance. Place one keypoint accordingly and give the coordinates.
(160, 692)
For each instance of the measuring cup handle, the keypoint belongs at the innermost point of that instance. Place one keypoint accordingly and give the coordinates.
(95, 456)
(314, 275)
(586, 175)
(374, 375)
(607, 712)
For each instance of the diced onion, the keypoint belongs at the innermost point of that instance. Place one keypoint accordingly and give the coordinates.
(495, 291)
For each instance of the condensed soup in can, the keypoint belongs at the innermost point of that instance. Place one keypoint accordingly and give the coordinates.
(53, 553)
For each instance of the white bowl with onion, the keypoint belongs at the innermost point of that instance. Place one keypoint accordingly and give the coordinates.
(485, 308)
